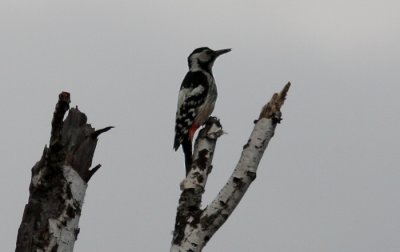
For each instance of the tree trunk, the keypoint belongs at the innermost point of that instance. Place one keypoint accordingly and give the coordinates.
(58, 183)
(194, 226)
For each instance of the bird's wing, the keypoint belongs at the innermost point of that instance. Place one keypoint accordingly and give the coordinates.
(194, 84)
(191, 96)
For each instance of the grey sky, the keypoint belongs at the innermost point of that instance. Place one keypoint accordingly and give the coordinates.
(330, 178)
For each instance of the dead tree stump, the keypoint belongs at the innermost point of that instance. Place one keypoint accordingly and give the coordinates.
(58, 183)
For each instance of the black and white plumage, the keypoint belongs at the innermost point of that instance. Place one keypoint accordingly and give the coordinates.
(196, 99)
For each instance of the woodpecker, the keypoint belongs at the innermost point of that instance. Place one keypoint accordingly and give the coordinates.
(196, 99)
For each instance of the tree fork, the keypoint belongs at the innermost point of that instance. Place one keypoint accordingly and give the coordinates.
(58, 183)
(194, 226)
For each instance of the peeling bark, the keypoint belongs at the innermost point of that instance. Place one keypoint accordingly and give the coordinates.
(195, 226)
(58, 184)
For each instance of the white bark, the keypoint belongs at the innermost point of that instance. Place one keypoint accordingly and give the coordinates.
(203, 150)
(244, 174)
(193, 186)
(63, 235)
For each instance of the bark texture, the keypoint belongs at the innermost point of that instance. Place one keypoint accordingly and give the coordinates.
(58, 183)
(189, 209)
(195, 226)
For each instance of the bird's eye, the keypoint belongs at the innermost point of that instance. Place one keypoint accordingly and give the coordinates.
(208, 52)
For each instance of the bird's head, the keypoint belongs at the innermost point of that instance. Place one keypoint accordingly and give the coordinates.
(203, 58)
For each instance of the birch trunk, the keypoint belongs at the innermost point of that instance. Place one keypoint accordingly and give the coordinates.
(58, 183)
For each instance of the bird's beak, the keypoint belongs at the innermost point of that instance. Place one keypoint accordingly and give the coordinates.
(220, 52)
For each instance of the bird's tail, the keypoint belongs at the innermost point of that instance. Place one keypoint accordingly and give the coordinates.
(187, 150)
(177, 142)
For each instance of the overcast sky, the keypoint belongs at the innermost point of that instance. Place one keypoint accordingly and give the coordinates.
(329, 180)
